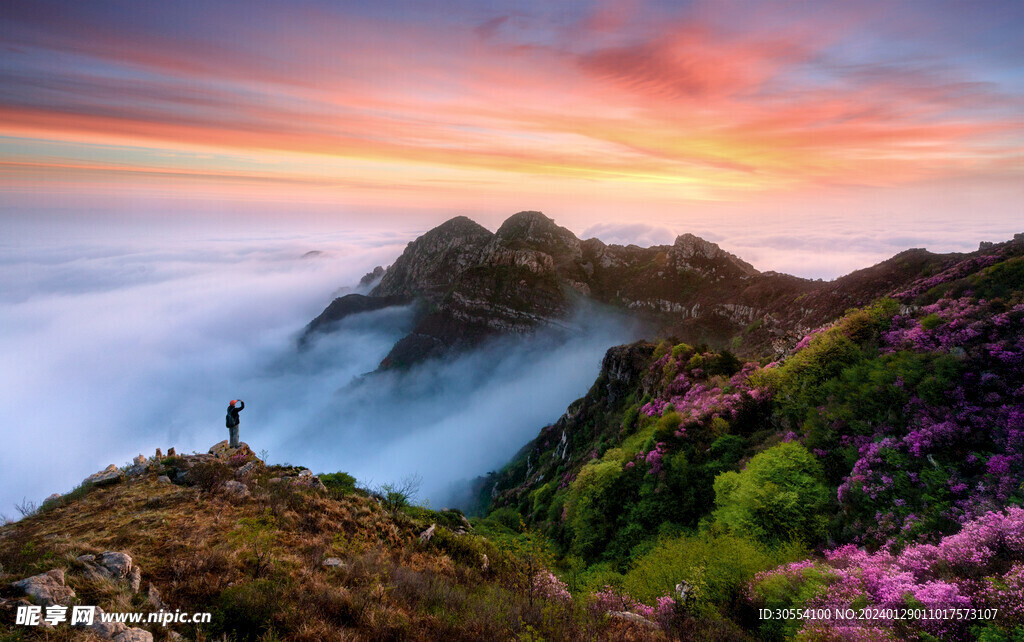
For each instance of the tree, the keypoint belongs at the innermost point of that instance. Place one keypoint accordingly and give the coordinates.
(778, 497)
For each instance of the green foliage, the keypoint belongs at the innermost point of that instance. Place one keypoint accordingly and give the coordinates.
(717, 565)
(994, 633)
(778, 497)
(679, 351)
(257, 537)
(339, 483)
(666, 426)
(247, 611)
(506, 517)
(592, 506)
(786, 591)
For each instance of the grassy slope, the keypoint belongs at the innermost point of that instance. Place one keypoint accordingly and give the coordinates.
(200, 548)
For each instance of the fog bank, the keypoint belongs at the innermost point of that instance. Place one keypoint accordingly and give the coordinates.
(113, 348)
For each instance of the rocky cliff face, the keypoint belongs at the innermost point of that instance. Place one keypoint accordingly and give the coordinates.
(474, 284)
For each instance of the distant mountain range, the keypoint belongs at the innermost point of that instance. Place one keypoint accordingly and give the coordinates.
(470, 284)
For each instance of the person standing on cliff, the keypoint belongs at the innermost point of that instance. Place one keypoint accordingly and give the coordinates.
(232, 420)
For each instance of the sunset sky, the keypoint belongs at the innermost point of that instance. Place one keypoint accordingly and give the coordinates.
(677, 116)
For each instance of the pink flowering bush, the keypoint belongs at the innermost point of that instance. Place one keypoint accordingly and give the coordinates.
(610, 600)
(980, 567)
(547, 585)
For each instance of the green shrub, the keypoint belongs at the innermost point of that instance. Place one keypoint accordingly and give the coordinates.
(247, 611)
(209, 475)
(339, 483)
(717, 566)
(593, 505)
(778, 497)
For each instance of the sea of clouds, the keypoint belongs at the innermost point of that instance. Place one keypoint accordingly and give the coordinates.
(118, 346)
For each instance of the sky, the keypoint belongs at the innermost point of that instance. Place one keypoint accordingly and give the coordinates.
(737, 119)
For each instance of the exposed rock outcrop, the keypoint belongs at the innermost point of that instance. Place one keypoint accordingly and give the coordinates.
(109, 475)
(473, 284)
(46, 589)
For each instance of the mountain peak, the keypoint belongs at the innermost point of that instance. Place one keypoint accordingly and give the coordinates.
(457, 227)
(535, 231)
(692, 251)
(434, 260)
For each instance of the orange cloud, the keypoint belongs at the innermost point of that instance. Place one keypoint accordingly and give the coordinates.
(686, 109)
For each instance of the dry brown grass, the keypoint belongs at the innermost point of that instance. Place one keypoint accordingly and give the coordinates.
(391, 587)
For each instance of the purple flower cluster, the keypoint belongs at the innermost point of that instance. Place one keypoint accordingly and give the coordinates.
(982, 566)
(547, 585)
(957, 271)
(609, 600)
(654, 458)
(970, 441)
(697, 398)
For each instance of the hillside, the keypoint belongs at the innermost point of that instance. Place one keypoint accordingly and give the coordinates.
(877, 463)
(274, 552)
(472, 284)
(888, 444)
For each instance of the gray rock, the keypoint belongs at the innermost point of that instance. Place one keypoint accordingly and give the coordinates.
(174, 636)
(119, 564)
(46, 589)
(235, 489)
(153, 595)
(137, 470)
(140, 460)
(247, 469)
(134, 635)
(164, 479)
(109, 475)
(683, 591)
(634, 618)
(101, 629)
(426, 535)
(334, 562)
(135, 579)
(52, 498)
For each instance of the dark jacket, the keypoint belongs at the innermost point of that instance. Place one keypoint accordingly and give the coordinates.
(232, 418)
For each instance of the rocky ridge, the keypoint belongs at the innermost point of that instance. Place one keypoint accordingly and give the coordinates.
(472, 284)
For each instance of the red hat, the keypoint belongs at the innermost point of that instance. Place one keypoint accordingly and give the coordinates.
(233, 402)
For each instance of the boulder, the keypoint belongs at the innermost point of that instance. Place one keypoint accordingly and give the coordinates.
(135, 579)
(248, 468)
(134, 635)
(334, 562)
(109, 475)
(426, 535)
(634, 618)
(159, 454)
(46, 589)
(101, 629)
(140, 460)
(52, 498)
(119, 565)
(223, 450)
(137, 470)
(164, 479)
(171, 452)
(235, 489)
